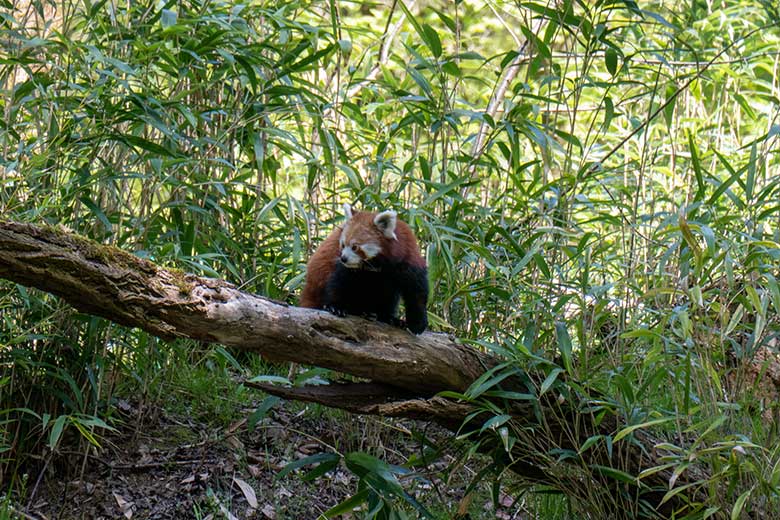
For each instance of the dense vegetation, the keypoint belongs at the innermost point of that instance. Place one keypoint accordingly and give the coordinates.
(595, 184)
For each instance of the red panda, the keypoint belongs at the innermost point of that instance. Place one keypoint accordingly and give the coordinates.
(365, 267)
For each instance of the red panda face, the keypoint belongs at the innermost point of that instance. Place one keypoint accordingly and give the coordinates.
(365, 236)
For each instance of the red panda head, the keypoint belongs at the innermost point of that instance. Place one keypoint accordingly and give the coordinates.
(365, 236)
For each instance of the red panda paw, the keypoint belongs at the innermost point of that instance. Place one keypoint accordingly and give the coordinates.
(335, 311)
(415, 327)
(398, 322)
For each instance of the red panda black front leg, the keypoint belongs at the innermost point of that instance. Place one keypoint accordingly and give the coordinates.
(336, 294)
(413, 282)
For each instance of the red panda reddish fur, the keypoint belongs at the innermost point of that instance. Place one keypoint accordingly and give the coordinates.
(397, 271)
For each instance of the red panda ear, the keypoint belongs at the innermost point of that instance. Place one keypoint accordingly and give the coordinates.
(386, 221)
(347, 210)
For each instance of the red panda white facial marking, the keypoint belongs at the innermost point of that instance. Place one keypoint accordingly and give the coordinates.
(355, 255)
(350, 256)
(370, 250)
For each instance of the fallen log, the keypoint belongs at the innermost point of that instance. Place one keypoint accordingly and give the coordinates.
(116, 285)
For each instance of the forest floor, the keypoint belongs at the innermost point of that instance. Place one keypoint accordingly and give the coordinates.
(165, 464)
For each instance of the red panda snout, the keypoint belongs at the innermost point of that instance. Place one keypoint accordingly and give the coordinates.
(350, 258)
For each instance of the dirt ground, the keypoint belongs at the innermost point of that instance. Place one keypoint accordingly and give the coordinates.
(161, 466)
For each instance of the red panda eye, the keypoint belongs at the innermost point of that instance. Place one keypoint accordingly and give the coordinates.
(355, 248)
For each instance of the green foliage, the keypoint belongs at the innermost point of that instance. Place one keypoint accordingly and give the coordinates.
(594, 183)
(378, 484)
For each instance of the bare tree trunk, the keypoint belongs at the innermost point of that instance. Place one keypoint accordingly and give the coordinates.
(405, 370)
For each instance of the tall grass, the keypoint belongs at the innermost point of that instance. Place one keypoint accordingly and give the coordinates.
(222, 137)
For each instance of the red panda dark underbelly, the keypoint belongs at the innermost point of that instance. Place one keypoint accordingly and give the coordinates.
(377, 293)
(363, 292)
